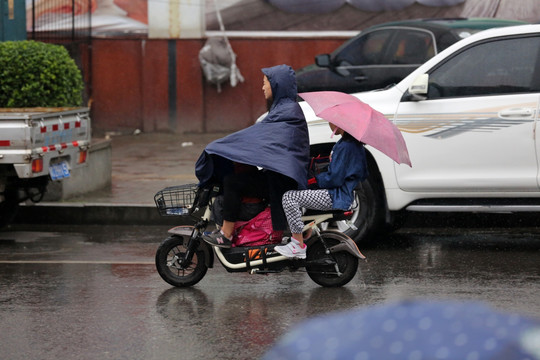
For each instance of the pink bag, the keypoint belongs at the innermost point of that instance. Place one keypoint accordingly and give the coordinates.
(257, 231)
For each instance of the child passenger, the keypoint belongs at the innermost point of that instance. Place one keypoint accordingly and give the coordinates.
(348, 166)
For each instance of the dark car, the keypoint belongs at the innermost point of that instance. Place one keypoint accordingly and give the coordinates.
(384, 54)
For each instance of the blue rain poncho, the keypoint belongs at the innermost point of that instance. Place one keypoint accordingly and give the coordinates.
(279, 143)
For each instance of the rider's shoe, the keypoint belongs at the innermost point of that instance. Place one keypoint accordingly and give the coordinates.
(218, 239)
(292, 249)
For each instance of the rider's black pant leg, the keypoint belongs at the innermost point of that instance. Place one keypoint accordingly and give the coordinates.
(237, 186)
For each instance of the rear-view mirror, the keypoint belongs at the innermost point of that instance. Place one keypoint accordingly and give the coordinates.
(420, 85)
(323, 60)
(419, 88)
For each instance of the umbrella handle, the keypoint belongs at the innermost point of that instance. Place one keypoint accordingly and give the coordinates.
(333, 133)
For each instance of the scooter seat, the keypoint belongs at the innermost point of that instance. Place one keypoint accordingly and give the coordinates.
(336, 214)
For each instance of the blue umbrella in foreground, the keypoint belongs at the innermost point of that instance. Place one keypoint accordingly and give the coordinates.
(414, 330)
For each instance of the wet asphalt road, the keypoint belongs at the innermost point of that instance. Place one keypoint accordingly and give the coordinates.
(92, 292)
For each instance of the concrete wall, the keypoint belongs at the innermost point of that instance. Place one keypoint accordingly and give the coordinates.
(158, 85)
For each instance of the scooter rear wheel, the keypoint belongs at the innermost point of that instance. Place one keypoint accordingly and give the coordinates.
(169, 264)
(320, 266)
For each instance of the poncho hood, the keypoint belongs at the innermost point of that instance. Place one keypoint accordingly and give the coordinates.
(280, 142)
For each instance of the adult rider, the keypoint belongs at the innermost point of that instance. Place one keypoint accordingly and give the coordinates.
(264, 160)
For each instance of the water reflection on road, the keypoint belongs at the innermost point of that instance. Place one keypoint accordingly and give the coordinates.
(94, 292)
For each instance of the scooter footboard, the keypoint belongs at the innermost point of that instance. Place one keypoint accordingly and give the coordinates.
(345, 243)
(246, 258)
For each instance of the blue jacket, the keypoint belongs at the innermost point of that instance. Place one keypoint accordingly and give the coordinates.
(347, 168)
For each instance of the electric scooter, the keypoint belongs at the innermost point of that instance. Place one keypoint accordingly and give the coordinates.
(183, 258)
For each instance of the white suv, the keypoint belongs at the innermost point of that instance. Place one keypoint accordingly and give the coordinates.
(469, 118)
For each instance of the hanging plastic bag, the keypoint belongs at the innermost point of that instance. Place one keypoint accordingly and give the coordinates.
(218, 60)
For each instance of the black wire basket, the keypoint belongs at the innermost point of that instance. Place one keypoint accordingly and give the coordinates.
(176, 200)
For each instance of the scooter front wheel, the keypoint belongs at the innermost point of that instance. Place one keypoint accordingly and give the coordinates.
(172, 266)
(330, 270)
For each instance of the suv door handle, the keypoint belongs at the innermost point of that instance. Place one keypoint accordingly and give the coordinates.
(519, 113)
(360, 78)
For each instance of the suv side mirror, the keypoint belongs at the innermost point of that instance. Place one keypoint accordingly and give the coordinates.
(419, 88)
(323, 60)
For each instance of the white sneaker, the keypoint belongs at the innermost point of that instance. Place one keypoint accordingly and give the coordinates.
(292, 250)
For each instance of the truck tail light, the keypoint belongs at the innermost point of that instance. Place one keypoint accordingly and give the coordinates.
(82, 156)
(37, 165)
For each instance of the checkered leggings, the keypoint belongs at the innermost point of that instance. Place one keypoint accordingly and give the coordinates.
(293, 200)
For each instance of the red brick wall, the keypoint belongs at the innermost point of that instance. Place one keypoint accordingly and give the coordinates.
(130, 83)
(154, 86)
(117, 84)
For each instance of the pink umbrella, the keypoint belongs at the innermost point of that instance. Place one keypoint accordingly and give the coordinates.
(361, 121)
